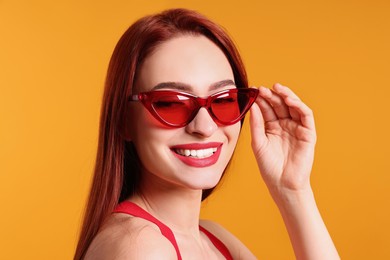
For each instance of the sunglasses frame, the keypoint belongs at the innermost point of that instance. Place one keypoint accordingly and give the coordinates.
(147, 99)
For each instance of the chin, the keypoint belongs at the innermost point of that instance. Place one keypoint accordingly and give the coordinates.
(203, 184)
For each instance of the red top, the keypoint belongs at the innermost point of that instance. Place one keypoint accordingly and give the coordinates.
(136, 211)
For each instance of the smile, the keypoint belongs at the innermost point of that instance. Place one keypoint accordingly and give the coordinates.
(198, 154)
(202, 153)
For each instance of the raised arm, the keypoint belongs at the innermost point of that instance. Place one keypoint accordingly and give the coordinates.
(283, 141)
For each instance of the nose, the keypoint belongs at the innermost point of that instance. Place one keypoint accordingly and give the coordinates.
(202, 125)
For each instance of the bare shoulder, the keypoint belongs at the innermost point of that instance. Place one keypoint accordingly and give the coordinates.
(126, 238)
(235, 246)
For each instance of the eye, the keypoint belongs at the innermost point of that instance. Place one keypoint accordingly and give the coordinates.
(168, 104)
(225, 100)
(170, 101)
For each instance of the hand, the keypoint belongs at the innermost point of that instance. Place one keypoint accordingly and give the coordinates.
(283, 139)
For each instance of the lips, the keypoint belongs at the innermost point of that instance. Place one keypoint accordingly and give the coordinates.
(198, 154)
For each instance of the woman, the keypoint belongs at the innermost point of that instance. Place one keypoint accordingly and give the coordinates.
(175, 97)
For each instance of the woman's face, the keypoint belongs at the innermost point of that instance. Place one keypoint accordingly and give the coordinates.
(197, 66)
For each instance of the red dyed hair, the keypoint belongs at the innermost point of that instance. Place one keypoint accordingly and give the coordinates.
(117, 174)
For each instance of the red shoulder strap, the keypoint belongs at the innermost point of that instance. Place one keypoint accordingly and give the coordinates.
(136, 211)
(217, 243)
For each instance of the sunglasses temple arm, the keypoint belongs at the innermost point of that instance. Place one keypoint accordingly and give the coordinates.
(134, 98)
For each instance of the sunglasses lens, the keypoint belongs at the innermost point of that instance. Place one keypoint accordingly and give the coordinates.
(231, 106)
(177, 109)
(174, 109)
(225, 107)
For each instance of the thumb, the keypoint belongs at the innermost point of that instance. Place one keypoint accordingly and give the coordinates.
(257, 126)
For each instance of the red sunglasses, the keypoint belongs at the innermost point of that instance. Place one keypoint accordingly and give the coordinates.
(177, 109)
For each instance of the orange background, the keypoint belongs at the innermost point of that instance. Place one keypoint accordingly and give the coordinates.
(334, 54)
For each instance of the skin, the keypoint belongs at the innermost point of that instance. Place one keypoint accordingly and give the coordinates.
(196, 69)
(283, 140)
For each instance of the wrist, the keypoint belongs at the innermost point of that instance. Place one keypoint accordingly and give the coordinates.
(289, 200)
(307, 231)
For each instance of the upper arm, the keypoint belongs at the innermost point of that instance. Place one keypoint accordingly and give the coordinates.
(143, 243)
(236, 248)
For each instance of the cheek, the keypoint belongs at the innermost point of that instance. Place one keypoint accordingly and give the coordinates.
(150, 137)
(141, 123)
(233, 132)
(150, 144)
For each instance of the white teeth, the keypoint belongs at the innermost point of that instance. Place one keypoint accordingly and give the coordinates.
(202, 153)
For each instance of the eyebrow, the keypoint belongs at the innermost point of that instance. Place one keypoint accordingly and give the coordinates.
(186, 87)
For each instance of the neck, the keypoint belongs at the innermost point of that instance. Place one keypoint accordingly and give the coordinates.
(176, 206)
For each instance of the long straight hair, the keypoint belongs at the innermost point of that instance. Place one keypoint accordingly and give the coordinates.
(117, 169)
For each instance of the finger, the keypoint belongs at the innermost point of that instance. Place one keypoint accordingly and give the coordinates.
(266, 108)
(284, 91)
(276, 101)
(294, 114)
(256, 119)
(303, 111)
(257, 125)
(301, 132)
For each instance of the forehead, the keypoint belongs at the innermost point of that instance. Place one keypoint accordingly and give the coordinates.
(193, 60)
